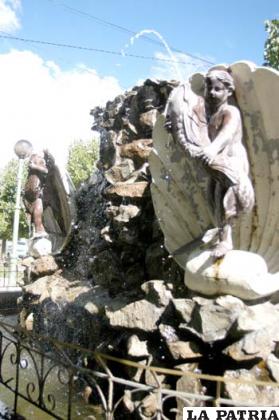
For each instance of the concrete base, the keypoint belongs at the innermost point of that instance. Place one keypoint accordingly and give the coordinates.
(239, 273)
(39, 246)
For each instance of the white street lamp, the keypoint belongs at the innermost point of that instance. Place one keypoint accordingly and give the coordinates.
(23, 149)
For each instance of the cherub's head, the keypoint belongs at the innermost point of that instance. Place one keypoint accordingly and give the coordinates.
(219, 85)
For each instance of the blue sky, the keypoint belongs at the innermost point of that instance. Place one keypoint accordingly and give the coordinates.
(48, 91)
(218, 31)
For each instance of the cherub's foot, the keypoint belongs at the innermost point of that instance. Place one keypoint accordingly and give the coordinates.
(42, 234)
(221, 249)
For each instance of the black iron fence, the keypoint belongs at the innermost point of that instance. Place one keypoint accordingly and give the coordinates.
(55, 378)
(11, 282)
(8, 276)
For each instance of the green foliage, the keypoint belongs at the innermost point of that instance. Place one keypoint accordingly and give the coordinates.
(82, 160)
(271, 48)
(8, 178)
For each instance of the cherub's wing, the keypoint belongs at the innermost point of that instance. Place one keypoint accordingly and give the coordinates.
(257, 94)
(59, 208)
(178, 192)
(178, 187)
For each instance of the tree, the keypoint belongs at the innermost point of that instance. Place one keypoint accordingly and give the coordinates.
(271, 48)
(8, 178)
(82, 159)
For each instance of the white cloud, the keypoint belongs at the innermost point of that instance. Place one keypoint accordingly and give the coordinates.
(178, 67)
(9, 19)
(45, 105)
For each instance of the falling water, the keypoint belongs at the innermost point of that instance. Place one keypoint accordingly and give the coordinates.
(160, 37)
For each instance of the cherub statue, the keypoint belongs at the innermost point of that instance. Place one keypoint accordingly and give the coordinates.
(34, 190)
(49, 202)
(210, 131)
(201, 179)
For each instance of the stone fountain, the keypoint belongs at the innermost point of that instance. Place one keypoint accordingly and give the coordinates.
(141, 278)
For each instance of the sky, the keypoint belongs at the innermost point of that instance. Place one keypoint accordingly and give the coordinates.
(47, 91)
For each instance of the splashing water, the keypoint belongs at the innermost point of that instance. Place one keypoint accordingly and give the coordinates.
(163, 41)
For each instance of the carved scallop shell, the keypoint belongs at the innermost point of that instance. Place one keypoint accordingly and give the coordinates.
(179, 186)
(59, 214)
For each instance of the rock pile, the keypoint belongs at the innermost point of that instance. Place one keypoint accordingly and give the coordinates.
(120, 291)
(119, 241)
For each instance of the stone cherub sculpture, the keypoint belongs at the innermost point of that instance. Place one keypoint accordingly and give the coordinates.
(38, 169)
(210, 131)
(201, 179)
(49, 204)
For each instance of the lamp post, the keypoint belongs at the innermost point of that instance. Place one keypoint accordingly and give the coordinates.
(23, 149)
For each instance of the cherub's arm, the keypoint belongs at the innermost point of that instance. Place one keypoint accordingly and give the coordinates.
(225, 136)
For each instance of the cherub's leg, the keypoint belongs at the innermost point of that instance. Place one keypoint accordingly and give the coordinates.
(230, 211)
(28, 214)
(29, 223)
(211, 193)
(226, 243)
(231, 204)
(218, 205)
(246, 195)
(38, 216)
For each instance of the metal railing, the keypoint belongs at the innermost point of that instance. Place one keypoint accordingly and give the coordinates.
(5, 275)
(62, 369)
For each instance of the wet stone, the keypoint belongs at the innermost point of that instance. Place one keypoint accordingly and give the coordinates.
(251, 395)
(184, 350)
(214, 322)
(138, 150)
(125, 213)
(121, 172)
(272, 363)
(184, 307)
(141, 315)
(190, 385)
(136, 347)
(43, 266)
(106, 270)
(157, 292)
(257, 344)
(136, 190)
(257, 317)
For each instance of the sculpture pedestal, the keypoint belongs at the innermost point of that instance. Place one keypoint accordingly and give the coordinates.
(40, 246)
(239, 273)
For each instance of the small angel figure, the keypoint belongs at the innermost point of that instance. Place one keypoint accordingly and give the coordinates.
(38, 169)
(210, 130)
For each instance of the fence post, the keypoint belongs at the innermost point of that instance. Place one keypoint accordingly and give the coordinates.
(18, 350)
